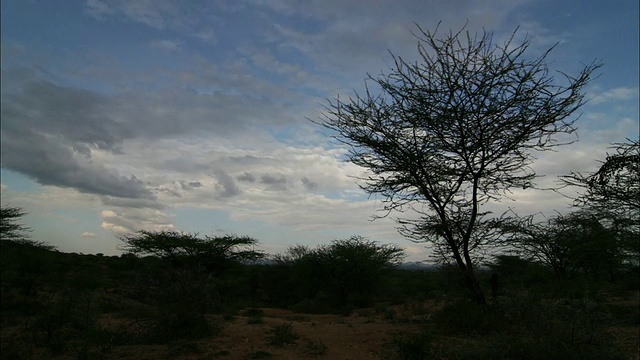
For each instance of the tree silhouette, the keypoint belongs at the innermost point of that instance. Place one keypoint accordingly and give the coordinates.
(613, 192)
(451, 132)
(213, 254)
(10, 229)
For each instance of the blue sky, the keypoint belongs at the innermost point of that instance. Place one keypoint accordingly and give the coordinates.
(193, 115)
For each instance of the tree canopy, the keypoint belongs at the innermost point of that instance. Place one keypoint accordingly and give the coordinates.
(615, 186)
(186, 249)
(344, 270)
(10, 228)
(446, 134)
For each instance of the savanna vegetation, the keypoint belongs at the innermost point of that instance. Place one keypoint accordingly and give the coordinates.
(175, 295)
(443, 138)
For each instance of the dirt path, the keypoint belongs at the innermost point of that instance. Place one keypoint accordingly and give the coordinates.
(345, 337)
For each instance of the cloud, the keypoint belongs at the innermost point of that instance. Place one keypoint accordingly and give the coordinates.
(226, 186)
(246, 176)
(132, 202)
(616, 95)
(78, 116)
(223, 127)
(121, 221)
(53, 133)
(51, 163)
(98, 8)
(182, 15)
(308, 184)
(274, 182)
(165, 45)
(349, 36)
(88, 234)
(157, 14)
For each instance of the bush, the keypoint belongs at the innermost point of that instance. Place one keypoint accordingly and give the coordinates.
(255, 316)
(467, 318)
(524, 347)
(315, 348)
(345, 273)
(525, 327)
(411, 347)
(283, 335)
(177, 301)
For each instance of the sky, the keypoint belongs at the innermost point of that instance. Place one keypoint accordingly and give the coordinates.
(195, 116)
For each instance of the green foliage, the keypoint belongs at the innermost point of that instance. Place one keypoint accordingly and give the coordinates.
(10, 229)
(283, 335)
(613, 193)
(467, 318)
(85, 306)
(526, 327)
(579, 242)
(346, 272)
(411, 347)
(213, 254)
(64, 322)
(26, 267)
(448, 133)
(514, 271)
(615, 187)
(504, 346)
(178, 300)
(315, 348)
(255, 316)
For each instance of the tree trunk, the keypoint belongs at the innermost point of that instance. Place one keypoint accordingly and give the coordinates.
(474, 287)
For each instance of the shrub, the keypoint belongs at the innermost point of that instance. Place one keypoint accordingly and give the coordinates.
(525, 327)
(283, 335)
(315, 348)
(467, 318)
(255, 316)
(411, 347)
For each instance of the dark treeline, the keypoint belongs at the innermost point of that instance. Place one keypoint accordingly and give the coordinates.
(167, 285)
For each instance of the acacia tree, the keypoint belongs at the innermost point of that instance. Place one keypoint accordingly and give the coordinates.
(347, 269)
(613, 191)
(616, 184)
(213, 254)
(451, 132)
(189, 281)
(568, 244)
(10, 229)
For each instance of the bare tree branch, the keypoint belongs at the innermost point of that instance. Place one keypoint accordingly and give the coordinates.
(455, 130)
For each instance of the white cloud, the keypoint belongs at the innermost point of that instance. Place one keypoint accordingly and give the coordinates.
(616, 95)
(88, 234)
(121, 221)
(220, 124)
(98, 8)
(165, 45)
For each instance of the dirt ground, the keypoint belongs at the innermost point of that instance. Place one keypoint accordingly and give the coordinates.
(361, 335)
(364, 334)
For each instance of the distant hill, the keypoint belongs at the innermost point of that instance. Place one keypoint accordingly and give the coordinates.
(418, 266)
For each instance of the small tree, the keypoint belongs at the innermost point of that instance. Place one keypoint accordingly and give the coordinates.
(454, 131)
(29, 257)
(613, 191)
(186, 285)
(616, 184)
(345, 269)
(10, 229)
(213, 254)
(568, 244)
(356, 265)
